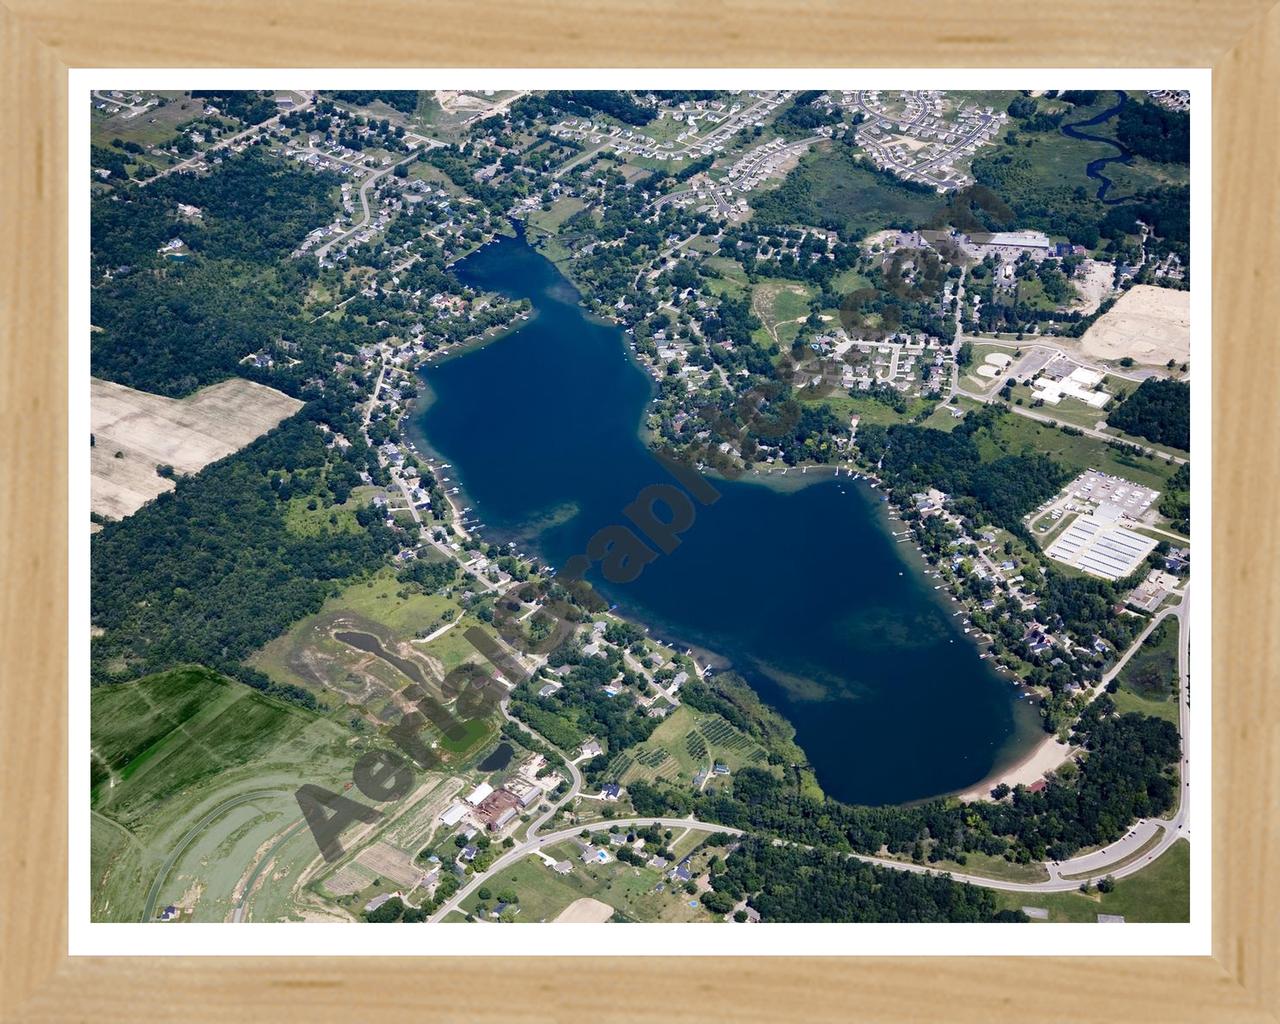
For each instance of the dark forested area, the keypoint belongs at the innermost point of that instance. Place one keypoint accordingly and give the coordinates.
(171, 326)
(788, 883)
(244, 105)
(916, 458)
(173, 332)
(403, 100)
(1150, 131)
(1127, 774)
(1159, 410)
(254, 206)
(209, 572)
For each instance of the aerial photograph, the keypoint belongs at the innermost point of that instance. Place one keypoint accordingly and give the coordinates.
(667, 506)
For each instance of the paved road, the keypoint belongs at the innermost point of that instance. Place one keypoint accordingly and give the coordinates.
(364, 201)
(191, 161)
(533, 845)
(149, 910)
(1097, 863)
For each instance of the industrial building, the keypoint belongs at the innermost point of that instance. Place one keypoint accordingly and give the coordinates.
(1096, 545)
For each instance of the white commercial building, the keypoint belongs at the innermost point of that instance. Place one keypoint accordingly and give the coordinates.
(453, 815)
(478, 794)
(1081, 384)
(1096, 545)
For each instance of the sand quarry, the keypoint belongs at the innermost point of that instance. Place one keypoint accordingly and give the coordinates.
(186, 433)
(1150, 325)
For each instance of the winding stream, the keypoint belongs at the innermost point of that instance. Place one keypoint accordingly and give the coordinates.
(1094, 168)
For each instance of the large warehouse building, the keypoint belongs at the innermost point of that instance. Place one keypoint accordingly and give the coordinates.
(1096, 545)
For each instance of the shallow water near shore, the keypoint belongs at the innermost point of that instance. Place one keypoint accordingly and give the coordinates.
(804, 591)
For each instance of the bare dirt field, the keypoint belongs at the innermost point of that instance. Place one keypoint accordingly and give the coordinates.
(1093, 284)
(585, 911)
(149, 430)
(1150, 325)
(388, 862)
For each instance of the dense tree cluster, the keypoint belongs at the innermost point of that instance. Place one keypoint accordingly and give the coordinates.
(913, 458)
(403, 100)
(617, 104)
(243, 105)
(805, 116)
(254, 206)
(1151, 131)
(429, 575)
(209, 572)
(1175, 503)
(1127, 774)
(1159, 410)
(582, 708)
(789, 883)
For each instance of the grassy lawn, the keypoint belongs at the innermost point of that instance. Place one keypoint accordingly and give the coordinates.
(1017, 433)
(1158, 893)
(1148, 681)
(941, 418)
(561, 210)
(385, 600)
(849, 281)
(304, 521)
(872, 410)
(1069, 410)
(1077, 414)
(686, 743)
(988, 866)
(543, 893)
(730, 278)
(156, 125)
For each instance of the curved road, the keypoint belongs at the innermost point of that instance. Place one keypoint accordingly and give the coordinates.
(1090, 866)
(364, 198)
(185, 841)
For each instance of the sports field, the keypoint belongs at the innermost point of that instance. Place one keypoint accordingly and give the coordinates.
(135, 432)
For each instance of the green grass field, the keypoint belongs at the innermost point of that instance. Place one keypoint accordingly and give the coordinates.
(185, 802)
(154, 126)
(871, 410)
(830, 186)
(303, 521)
(1077, 414)
(686, 743)
(1148, 681)
(1160, 893)
(992, 867)
(628, 889)
(561, 210)
(1018, 433)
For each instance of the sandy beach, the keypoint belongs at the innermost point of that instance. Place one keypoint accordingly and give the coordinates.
(1045, 756)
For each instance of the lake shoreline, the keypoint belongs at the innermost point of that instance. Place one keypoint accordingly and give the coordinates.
(908, 671)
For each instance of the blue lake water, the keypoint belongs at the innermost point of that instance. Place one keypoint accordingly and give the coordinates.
(803, 591)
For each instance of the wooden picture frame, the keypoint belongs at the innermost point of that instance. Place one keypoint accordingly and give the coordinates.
(1239, 39)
